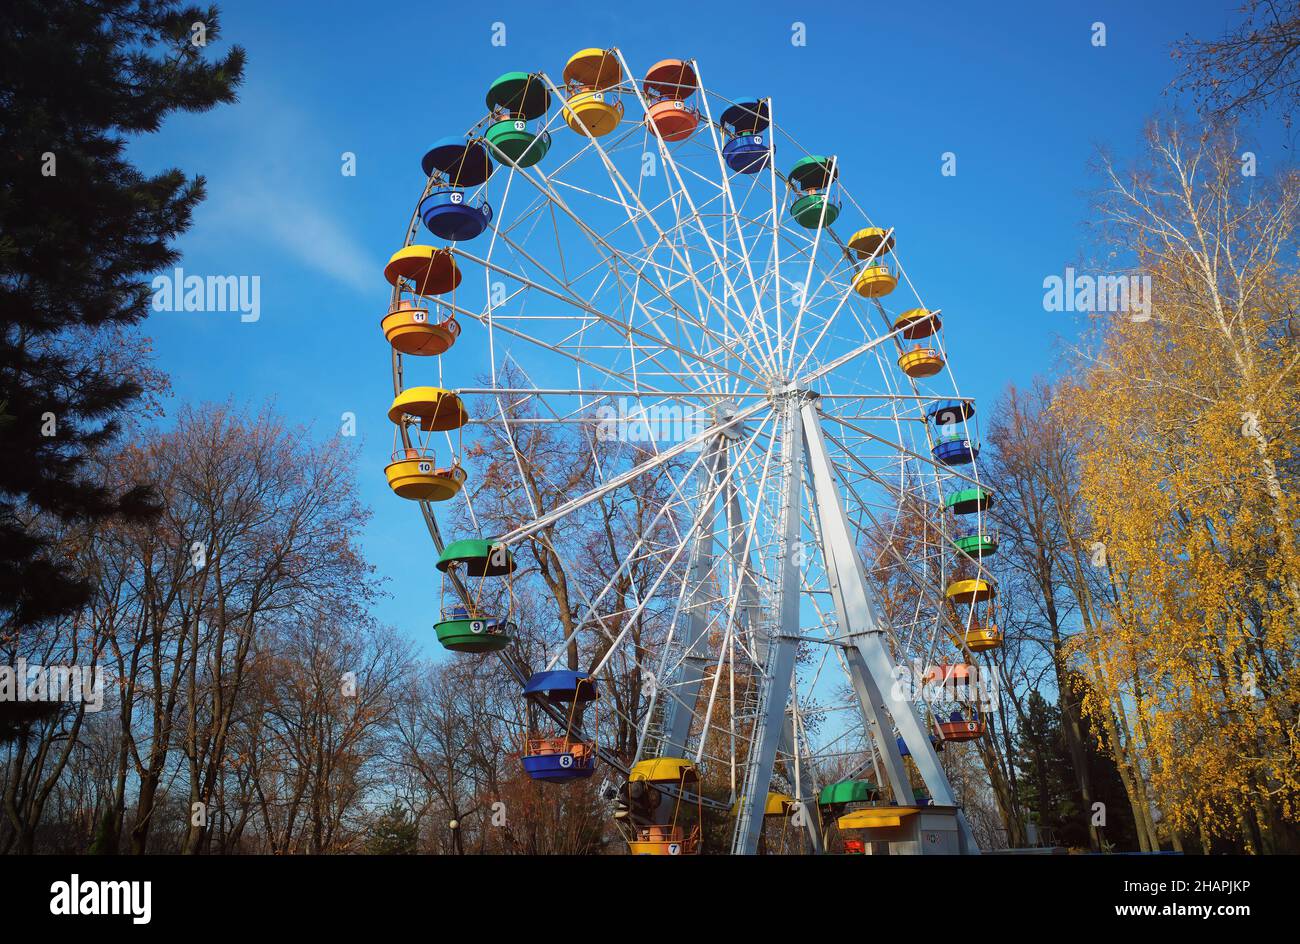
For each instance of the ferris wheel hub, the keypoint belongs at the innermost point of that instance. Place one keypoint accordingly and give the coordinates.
(724, 412)
(783, 393)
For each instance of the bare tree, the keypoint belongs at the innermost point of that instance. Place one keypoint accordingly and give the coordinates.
(1251, 68)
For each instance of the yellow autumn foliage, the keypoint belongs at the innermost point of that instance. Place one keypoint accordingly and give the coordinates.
(1188, 466)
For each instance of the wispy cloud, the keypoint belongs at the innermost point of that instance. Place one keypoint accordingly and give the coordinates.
(282, 214)
(266, 196)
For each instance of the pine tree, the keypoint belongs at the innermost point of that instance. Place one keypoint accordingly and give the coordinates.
(393, 833)
(1044, 770)
(1117, 828)
(81, 230)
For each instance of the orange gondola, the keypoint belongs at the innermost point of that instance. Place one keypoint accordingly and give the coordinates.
(410, 330)
(667, 87)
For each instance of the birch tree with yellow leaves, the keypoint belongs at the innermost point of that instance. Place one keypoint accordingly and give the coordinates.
(1188, 462)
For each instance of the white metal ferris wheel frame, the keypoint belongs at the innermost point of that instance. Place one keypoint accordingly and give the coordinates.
(782, 388)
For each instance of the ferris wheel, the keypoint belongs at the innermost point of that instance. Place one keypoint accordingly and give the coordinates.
(623, 297)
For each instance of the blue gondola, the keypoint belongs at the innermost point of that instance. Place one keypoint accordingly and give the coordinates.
(746, 154)
(561, 686)
(746, 150)
(948, 412)
(463, 163)
(748, 116)
(566, 756)
(450, 216)
(902, 746)
(555, 764)
(955, 450)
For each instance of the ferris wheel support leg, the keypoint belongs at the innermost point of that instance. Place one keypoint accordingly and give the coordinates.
(741, 567)
(807, 788)
(875, 713)
(778, 669)
(864, 626)
(743, 575)
(681, 708)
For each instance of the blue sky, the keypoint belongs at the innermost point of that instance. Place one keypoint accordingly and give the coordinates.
(1016, 90)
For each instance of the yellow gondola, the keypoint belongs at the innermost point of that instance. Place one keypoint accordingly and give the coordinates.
(593, 69)
(673, 837)
(865, 242)
(978, 638)
(437, 410)
(592, 108)
(969, 591)
(590, 112)
(663, 770)
(877, 817)
(665, 840)
(431, 271)
(921, 362)
(413, 474)
(777, 804)
(875, 281)
(917, 323)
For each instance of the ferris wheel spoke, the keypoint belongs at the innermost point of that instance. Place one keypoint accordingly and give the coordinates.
(641, 469)
(593, 616)
(807, 282)
(923, 584)
(755, 335)
(677, 312)
(673, 314)
(633, 385)
(669, 160)
(632, 217)
(624, 190)
(685, 703)
(899, 448)
(548, 191)
(756, 316)
(677, 487)
(586, 309)
(689, 357)
(750, 646)
(829, 321)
